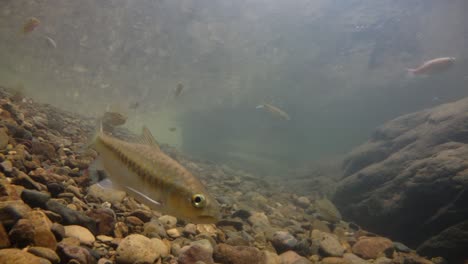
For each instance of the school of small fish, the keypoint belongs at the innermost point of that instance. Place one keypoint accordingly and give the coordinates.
(152, 177)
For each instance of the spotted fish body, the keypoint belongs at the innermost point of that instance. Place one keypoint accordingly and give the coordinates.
(152, 177)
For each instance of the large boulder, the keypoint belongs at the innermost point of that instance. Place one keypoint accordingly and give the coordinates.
(409, 180)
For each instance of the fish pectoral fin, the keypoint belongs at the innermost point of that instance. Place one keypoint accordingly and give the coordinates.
(106, 184)
(143, 198)
(96, 171)
(147, 138)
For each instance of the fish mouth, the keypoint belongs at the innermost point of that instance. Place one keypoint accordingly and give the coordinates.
(206, 219)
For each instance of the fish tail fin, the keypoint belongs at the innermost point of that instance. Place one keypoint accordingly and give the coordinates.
(410, 72)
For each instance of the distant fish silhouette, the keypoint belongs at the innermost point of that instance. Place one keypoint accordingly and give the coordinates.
(274, 110)
(433, 66)
(178, 90)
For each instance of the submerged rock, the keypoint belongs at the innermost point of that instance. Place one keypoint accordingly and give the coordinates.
(411, 173)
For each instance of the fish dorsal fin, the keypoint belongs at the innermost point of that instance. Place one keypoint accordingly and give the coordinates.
(148, 139)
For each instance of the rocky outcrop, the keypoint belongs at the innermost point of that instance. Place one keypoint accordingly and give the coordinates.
(409, 180)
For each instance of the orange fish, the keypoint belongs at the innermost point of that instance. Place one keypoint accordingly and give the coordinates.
(433, 66)
(30, 25)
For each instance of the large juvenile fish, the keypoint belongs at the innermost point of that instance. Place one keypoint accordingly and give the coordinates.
(433, 66)
(274, 110)
(153, 178)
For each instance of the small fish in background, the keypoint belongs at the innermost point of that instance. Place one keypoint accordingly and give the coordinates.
(178, 90)
(31, 24)
(50, 42)
(155, 179)
(274, 110)
(433, 66)
(134, 105)
(172, 129)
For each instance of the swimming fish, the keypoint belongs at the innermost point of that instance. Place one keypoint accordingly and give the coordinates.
(433, 66)
(153, 178)
(178, 90)
(50, 42)
(30, 25)
(134, 105)
(274, 110)
(172, 129)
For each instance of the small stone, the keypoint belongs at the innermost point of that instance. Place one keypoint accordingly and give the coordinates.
(410, 258)
(104, 261)
(4, 240)
(17, 256)
(270, 258)
(46, 253)
(401, 247)
(71, 217)
(237, 254)
(327, 210)
(330, 245)
(373, 247)
(58, 230)
(173, 232)
(383, 260)
(83, 234)
(353, 259)
(154, 229)
(44, 149)
(200, 250)
(303, 202)
(168, 221)
(22, 233)
(68, 253)
(333, 260)
(104, 238)
(43, 236)
(207, 229)
(35, 198)
(283, 241)
(12, 211)
(259, 220)
(7, 166)
(137, 248)
(3, 138)
(291, 257)
(143, 215)
(133, 220)
(163, 249)
(190, 229)
(321, 225)
(24, 180)
(120, 230)
(105, 220)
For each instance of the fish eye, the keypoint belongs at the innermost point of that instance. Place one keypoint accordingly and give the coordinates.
(198, 200)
